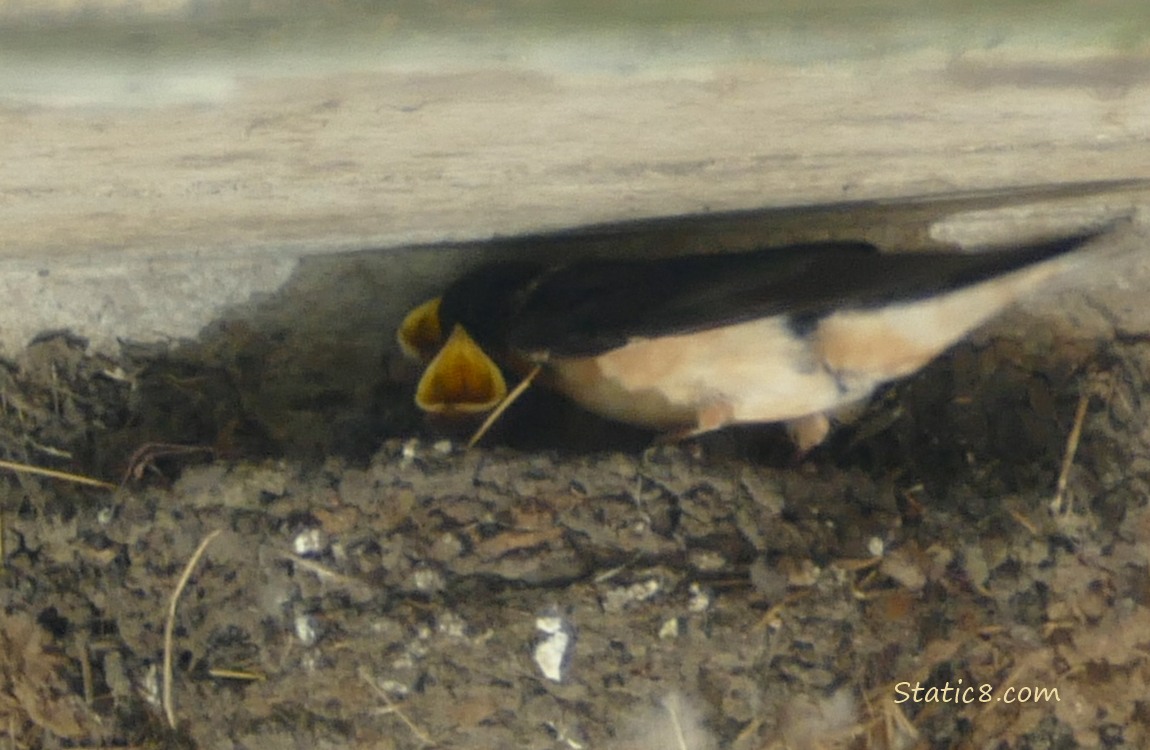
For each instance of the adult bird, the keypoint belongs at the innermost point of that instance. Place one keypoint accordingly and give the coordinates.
(686, 345)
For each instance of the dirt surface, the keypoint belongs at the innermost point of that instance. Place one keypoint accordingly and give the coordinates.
(564, 587)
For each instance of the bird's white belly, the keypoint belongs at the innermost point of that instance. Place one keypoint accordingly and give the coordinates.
(763, 371)
(758, 371)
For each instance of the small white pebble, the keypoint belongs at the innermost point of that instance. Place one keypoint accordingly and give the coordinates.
(309, 543)
(805, 575)
(150, 686)
(698, 600)
(669, 629)
(306, 630)
(410, 449)
(452, 625)
(443, 447)
(428, 580)
(708, 561)
(621, 597)
(394, 688)
(402, 662)
(875, 546)
(116, 373)
(561, 736)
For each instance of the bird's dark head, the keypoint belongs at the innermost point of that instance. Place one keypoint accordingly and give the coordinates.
(484, 301)
(457, 335)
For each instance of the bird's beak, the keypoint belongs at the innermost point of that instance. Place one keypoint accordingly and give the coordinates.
(461, 379)
(420, 335)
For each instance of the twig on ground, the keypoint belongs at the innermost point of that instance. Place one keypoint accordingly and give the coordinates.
(1058, 504)
(53, 474)
(392, 708)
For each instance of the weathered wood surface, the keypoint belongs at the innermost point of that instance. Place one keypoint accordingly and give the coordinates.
(385, 159)
(145, 189)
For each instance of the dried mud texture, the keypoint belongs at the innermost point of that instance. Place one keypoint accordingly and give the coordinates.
(706, 595)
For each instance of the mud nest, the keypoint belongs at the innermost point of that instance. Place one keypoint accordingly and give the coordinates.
(373, 585)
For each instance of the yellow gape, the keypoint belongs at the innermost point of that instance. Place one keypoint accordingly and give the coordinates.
(461, 379)
(420, 335)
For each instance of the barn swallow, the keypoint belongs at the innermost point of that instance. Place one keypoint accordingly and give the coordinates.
(691, 344)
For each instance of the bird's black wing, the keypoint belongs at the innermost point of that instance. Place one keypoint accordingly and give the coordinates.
(591, 306)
